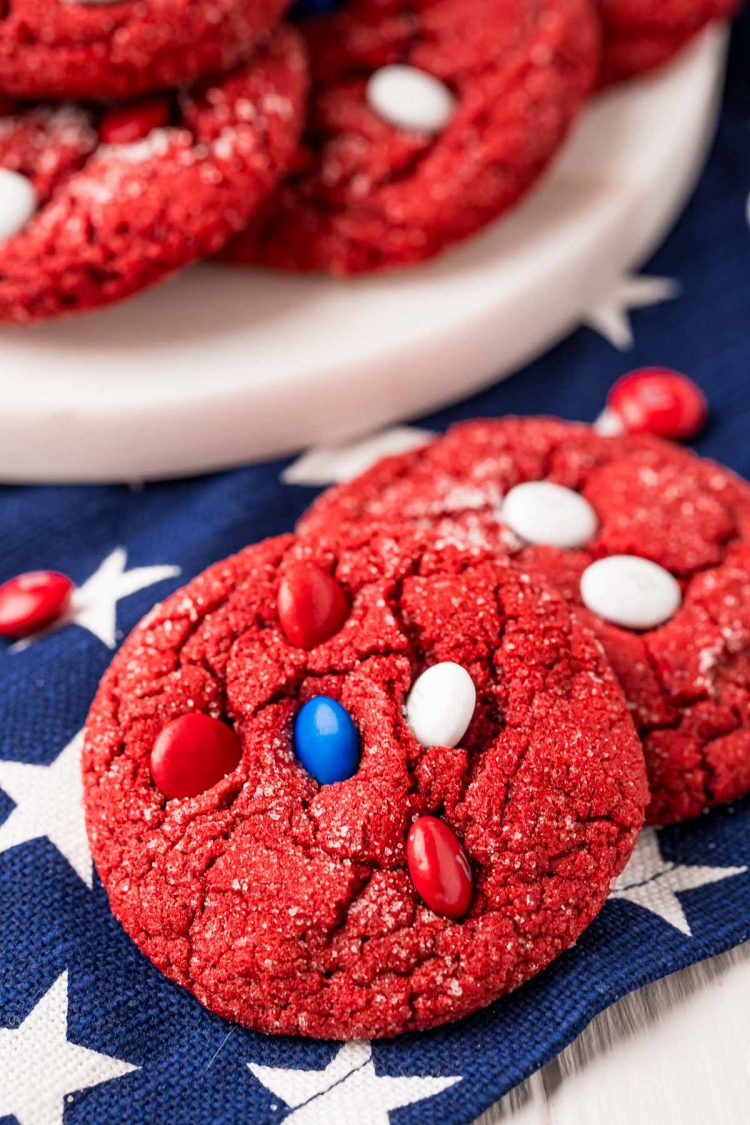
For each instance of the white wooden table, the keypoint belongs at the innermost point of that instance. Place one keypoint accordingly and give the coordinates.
(674, 1053)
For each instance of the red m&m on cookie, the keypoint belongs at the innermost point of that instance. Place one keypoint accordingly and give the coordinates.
(438, 867)
(127, 124)
(312, 605)
(32, 601)
(192, 754)
(656, 400)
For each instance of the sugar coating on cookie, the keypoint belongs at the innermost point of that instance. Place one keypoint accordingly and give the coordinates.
(95, 51)
(682, 648)
(111, 219)
(311, 906)
(428, 120)
(640, 34)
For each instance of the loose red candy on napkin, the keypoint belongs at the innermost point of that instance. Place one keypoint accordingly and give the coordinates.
(656, 400)
(33, 601)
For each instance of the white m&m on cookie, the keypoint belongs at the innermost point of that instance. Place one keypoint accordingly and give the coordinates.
(630, 591)
(441, 705)
(410, 98)
(547, 514)
(18, 203)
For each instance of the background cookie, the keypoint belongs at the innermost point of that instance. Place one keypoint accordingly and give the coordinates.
(687, 676)
(290, 906)
(92, 50)
(428, 120)
(642, 34)
(84, 223)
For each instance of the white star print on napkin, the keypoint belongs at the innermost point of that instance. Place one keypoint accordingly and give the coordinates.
(609, 317)
(332, 464)
(347, 1090)
(38, 1066)
(49, 802)
(653, 883)
(94, 604)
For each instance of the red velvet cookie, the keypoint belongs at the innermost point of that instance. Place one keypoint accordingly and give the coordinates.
(477, 820)
(84, 222)
(91, 49)
(642, 34)
(428, 120)
(681, 649)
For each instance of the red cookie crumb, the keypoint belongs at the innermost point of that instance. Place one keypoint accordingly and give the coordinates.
(288, 906)
(113, 219)
(93, 51)
(688, 681)
(642, 34)
(368, 194)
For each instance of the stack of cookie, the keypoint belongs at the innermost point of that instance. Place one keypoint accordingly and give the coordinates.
(193, 133)
(369, 777)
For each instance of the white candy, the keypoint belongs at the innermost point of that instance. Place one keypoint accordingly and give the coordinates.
(545, 513)
(630, 591)
(17, 202)
(410, 98)
(441, 704)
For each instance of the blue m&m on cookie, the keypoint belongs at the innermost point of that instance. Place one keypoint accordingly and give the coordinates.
(326, 741)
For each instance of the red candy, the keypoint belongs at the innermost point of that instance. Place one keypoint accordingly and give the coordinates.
(312, 605)
(438, 866)
(656, 400)
(32, 601)
(192, 753)
(133, 122)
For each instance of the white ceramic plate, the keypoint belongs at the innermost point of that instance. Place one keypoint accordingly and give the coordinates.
(221, 366)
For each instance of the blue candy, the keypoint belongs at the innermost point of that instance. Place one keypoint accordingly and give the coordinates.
(326, 741)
